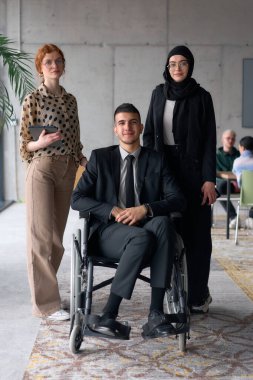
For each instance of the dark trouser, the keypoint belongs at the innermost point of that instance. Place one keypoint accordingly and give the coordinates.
(134, 247)
(197, 239)
(222, 188)
(196, 222)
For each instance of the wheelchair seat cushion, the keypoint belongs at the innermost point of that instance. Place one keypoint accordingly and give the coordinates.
(112, 328)
(158, 325)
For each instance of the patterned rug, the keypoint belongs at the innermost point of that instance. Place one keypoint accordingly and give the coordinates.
(220, 347)
(237, 260)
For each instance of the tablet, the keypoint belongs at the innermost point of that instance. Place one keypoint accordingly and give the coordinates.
(37, 129)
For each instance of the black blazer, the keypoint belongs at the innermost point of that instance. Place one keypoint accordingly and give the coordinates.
(98, 188)
(200, 145)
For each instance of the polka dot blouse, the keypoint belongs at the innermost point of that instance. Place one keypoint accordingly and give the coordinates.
(44, 108)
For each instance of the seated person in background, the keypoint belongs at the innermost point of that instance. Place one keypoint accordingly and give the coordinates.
(225, 157)
(131, 193)
(245, 162)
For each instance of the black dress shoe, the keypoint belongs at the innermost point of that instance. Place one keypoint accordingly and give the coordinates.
(107, 316)
(106, 323)
(108, 326)
(155, 314)
(157, 326)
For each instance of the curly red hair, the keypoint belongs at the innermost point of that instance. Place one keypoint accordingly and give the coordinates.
(46, 49)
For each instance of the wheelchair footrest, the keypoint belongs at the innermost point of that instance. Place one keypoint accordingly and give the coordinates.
(110, 328)
(158, 327)
(181, 322)
(177, 318)
(168, 324)
(182, 329)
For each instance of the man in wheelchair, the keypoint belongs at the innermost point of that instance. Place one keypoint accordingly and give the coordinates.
(130, 193)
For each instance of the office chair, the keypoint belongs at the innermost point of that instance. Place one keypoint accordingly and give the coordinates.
(246, 196)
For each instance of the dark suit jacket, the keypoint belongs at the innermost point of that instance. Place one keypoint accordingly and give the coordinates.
(98, 188)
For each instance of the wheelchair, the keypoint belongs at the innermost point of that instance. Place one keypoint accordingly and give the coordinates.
(82, 321)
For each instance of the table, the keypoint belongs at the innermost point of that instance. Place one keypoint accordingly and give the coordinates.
(228, 176)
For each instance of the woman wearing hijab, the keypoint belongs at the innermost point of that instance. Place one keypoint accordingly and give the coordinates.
(181, 123)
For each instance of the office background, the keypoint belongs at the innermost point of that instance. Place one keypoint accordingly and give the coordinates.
(115, 52)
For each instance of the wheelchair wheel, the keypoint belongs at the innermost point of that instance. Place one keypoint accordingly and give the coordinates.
(76, 339)
(75, 275)
(176, 297)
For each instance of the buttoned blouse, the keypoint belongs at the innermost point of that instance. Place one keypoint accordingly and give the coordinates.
(168, 137)
(46, 109)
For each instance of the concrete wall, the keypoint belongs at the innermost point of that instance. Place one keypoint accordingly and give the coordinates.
(116, 50)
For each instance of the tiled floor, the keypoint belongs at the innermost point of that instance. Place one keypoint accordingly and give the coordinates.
(18, 329)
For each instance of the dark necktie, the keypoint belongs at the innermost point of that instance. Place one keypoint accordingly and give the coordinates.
(130, 198)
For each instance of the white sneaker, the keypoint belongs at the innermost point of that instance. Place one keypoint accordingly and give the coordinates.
(60, 315)
(249, 223)
(201, 309)
(232, 224)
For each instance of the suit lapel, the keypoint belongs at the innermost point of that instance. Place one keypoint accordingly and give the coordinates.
(141, 172)
(142, 167)
(115, 169)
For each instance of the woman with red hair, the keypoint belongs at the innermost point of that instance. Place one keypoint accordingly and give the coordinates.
(52, 162)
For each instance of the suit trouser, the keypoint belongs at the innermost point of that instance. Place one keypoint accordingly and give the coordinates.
(49, 185)
(151, 244)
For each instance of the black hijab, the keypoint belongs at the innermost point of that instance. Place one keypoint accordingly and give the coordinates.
(186, 127)
(180, 90)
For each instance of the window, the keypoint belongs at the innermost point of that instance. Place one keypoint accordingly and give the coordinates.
(247, 95)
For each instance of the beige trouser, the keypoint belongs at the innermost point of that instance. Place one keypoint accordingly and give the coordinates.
(49, 185)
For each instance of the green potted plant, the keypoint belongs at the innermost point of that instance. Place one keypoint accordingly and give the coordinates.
(20, 78)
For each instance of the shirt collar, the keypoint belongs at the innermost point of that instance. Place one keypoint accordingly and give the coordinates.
(43, 90)
(124, 153)
(247, 153)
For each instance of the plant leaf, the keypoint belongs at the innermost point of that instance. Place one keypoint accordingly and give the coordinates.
(19, 75)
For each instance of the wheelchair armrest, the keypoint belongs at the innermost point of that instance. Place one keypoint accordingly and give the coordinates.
(84, 215)
(176, 218)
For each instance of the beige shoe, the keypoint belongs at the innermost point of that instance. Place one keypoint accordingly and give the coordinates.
(60, 315)
(203, 308)
(232, 224)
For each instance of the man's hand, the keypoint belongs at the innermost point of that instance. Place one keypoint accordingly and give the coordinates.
(209, 193)
(83, 162)
(130, 216)
(116, 211)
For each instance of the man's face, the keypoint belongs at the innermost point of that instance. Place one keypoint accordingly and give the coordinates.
(127, 127)
(228, 140)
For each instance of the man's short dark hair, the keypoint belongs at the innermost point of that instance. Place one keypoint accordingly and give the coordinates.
(127, 107)
(247, 143)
